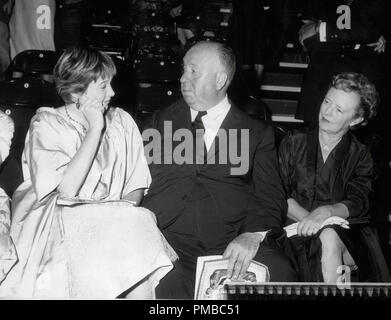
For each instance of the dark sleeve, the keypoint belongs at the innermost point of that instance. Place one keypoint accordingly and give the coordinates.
(366, 26)
(267, 205)
(359, 187)
(285, 164)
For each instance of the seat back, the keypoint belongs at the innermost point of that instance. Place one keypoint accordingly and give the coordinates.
(19, 99)
(256, 108)
(35, 62)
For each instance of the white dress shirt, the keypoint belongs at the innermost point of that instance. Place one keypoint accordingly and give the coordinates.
(212, 120)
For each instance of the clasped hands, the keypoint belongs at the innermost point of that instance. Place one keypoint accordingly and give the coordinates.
(312, 223)
(240, 252)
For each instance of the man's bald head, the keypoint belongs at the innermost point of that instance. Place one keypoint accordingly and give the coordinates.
(223, 54)
(208, 68)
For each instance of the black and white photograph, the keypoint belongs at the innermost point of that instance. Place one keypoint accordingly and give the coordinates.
(140, 136)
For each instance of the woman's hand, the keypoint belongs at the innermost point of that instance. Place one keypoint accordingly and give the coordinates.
(175, 12)
(311, 224)
(93, 112)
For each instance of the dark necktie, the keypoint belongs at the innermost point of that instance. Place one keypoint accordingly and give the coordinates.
(197, 123)
(199, 131)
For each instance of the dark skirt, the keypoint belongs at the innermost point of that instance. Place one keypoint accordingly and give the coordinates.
(360, 240)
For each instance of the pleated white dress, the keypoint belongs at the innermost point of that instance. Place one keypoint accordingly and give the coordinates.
(93, 246)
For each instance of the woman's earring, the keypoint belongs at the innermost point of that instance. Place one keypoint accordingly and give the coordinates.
(78, 104)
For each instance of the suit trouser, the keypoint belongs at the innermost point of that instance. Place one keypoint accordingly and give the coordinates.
(180, 282)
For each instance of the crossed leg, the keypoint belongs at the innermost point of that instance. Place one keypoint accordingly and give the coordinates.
(334, 255)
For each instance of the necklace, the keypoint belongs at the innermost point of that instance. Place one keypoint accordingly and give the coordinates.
(79, 123)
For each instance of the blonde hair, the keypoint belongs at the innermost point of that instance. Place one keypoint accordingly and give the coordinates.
(78, 67)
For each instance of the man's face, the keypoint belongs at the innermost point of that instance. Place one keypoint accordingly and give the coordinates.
(198, 81)
(338, 111)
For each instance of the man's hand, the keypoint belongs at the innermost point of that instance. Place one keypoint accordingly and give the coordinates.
(240, 252)
(308, 30)
(311, 224)
(177, 11)
(380, 45)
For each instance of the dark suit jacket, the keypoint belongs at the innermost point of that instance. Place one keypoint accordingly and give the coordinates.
(249, 202)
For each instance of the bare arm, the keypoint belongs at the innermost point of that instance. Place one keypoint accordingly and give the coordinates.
(295, 211)
(80, 165)
(78, 168)
(135, 196)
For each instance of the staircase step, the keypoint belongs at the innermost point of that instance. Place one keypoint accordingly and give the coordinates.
(278, 81)
(295, 65)
(285, 118)
(295, 57)
(282, 110)
(280, 88)
(281, 106)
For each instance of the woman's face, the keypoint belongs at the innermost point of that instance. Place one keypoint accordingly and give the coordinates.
(100, 90)
(338, 112)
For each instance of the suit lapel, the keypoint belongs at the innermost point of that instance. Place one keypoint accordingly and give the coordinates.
(181, 117)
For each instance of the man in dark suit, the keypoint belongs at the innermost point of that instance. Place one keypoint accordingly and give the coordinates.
(341, 36)
(219, 201)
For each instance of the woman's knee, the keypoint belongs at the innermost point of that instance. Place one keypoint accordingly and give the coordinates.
(331, 243)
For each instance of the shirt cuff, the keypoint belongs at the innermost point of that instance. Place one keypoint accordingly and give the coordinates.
(262, 234)
(322, 32)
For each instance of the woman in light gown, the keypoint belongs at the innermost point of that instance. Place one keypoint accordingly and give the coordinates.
(76, 223)
(7, 249)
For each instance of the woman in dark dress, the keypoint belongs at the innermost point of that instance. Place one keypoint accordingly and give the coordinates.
(327, 173)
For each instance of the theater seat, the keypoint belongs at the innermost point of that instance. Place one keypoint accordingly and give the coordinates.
(256, 109)
(20, 98)
(35, 63)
